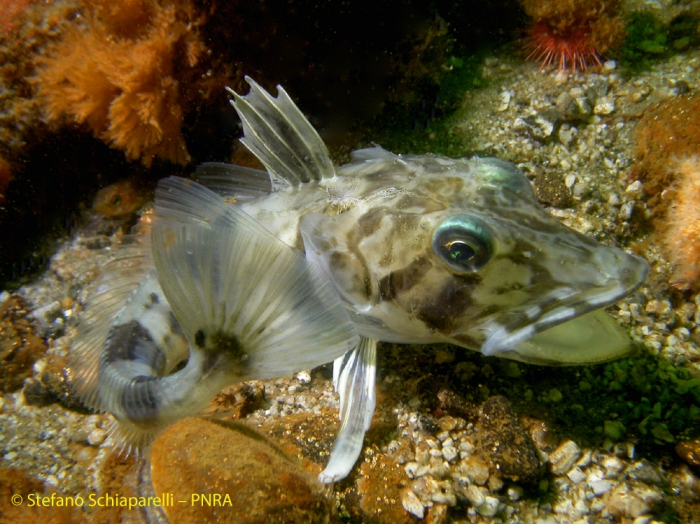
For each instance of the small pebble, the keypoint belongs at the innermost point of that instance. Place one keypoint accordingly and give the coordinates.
(605, 105)
(489, 508)
(564, 457)
(576, 475)
(304, 377)
(412, 503)
(96, 437)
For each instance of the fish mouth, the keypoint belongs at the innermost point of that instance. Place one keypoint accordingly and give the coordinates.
(566, 322)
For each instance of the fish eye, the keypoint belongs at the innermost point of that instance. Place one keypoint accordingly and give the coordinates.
(464, 243)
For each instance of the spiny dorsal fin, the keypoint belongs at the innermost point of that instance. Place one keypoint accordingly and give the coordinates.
(281, 136)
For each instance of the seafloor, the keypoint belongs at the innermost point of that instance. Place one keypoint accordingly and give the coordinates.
(456, 437)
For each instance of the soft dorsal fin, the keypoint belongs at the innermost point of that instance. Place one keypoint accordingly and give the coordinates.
(281, 137)
(370, 154)
(229, 181)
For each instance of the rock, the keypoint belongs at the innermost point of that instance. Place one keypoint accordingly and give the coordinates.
(505, 443)
(629, 503)
(475, 469)
(489, 508)
(201, 457)
(644, 471)
(605, 105)
(412, 503)
(689, 451)
(551, 190)
(474, 495)
(687, 485)
(564, 457)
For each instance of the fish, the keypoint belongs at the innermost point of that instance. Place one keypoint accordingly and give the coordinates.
(119, 199)
(249, 274)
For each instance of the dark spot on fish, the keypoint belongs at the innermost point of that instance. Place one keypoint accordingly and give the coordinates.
(138, 400)
(153, 298)
(133, 343)
(174, 325)
(338, 260)
(199, 339)
(404, 279)
(228, 344)
(220, 347)
(468, 341)
(440, 312)
(369, 223)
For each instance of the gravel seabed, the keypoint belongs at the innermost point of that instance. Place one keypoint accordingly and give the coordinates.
(522, 117)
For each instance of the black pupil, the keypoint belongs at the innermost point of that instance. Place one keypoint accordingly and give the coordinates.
(460, 252)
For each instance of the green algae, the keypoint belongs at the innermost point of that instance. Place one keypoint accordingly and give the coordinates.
(650, 41)
(428, 126)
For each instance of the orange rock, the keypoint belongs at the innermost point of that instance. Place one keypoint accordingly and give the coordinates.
(254, 480)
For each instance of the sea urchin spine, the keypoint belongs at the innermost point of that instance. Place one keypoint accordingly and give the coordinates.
(572, 33)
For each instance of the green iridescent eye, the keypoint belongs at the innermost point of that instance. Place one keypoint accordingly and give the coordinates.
(464, 243)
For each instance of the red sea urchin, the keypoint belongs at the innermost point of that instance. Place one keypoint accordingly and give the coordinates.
(570, 51)
(572, 33)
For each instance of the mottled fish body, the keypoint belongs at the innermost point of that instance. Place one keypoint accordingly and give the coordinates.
(260, 274)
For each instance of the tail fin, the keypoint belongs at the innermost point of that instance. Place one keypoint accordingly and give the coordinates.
(281, 137)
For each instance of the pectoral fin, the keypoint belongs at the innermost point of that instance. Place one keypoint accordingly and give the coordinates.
(237, 290)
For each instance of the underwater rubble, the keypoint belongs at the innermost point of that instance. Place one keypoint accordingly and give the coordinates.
(456, 437)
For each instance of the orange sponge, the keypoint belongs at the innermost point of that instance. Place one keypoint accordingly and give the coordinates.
(681, 232)
(118, 76)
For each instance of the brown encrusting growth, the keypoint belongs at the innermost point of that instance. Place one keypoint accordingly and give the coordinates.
(572, 34)
(17, 482)
(20, 346)
(122, 75)
(10, 12)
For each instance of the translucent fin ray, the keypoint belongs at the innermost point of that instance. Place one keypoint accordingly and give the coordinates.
(226, 276)
(281, 137)
(120, 279)
(354, 377)
(231, 181)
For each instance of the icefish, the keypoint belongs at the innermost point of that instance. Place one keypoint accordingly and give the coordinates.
(253, 275)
